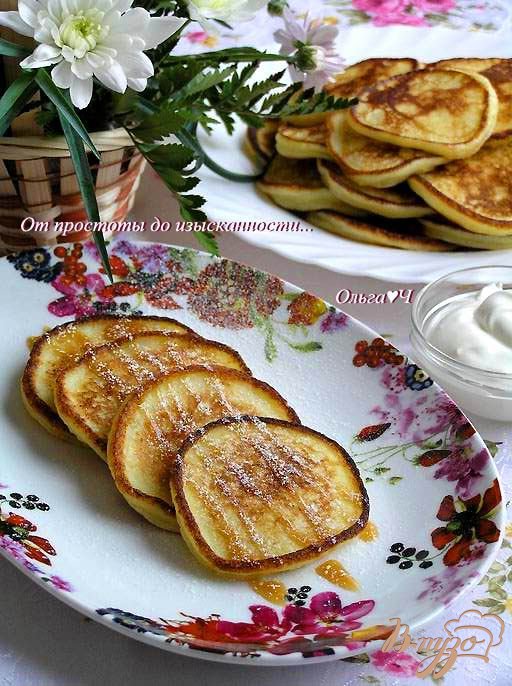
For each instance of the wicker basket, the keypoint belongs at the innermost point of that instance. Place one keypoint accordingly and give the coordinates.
(37, 178)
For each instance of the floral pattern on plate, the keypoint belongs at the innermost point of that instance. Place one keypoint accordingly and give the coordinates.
(222, 293)
(19, 540)
(324, 620)
(404, 430)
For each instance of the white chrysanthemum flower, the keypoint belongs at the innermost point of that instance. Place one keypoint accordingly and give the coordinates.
(313, 44)
(230, 11)
(86, 38)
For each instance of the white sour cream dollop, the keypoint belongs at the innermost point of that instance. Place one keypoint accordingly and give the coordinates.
(475, 328)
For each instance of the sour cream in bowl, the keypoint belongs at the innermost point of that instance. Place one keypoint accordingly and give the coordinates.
(462, 336)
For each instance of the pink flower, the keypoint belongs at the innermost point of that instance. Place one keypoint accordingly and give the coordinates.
(13, 548)
(381, 7)
(437, 6)
(447, 584)
(59, 583)
(386, 12)
(416, 418)
(456, 467)
(197, 36)
(333, 322)
(78, 300)
(325, 615)
(265, 626)
(393, 662)
(311, 42)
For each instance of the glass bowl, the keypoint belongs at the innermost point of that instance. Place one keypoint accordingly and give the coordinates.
(475, 389)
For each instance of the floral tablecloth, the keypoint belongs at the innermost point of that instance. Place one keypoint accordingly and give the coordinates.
(470, 15)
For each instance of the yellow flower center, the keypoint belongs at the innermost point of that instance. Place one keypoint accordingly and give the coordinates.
(82, 31)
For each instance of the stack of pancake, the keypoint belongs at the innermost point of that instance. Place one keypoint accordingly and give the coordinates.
(195, 443)
(421, 160)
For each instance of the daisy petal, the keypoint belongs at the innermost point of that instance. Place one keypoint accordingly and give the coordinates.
(81, 92)
(43, 56)
(114, 78)
(13, 21)
(138, 85)
(61, 74)
(28, 10)
(159, 29)
(136, 64)
(82, 69)
(123, 5)
(133, 22)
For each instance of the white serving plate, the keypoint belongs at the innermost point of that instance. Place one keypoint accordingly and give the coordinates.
(414, 448)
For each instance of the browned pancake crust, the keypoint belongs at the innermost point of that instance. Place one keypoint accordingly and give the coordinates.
(499, 73)
(405, 234)
(61, 399)
(358, 77)
(290, 559)
(28, 391)
(120, 426)
(294, 173)
(486, 181)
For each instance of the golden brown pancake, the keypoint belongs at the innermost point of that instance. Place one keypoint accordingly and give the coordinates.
(296, 185)
(358, 77)
(89, 392)
(256, 496)
(406, 234)
(372, 163)
(445, 112)
(396, 203)
(66, 343)
(302, 142)
(153, 423)
(499, 73)
(475, 193)
(352, 80)
(261, 142)
(443, 229)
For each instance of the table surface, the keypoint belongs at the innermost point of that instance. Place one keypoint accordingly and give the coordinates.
(43, 642)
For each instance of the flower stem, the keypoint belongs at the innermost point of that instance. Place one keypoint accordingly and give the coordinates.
(189, 138)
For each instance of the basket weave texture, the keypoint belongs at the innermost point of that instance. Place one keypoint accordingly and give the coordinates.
(37, 178)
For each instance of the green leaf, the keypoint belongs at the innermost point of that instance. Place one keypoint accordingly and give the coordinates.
(382, 470)
(86, 185)
(174, 155)
(162, 123)
(207, 241)
(227, 55)
(8, 49)
(496, 566)
(492, 447)
(64, 107)
(393, 480)
(485, 602)
(310, 347)
(203, 81)
(498, 594)
(15, 98)
(270, 346)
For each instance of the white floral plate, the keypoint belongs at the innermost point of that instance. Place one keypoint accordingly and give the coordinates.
(433, 488)
(229, 201)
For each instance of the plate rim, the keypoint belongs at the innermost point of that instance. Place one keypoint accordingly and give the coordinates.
(265, 657)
